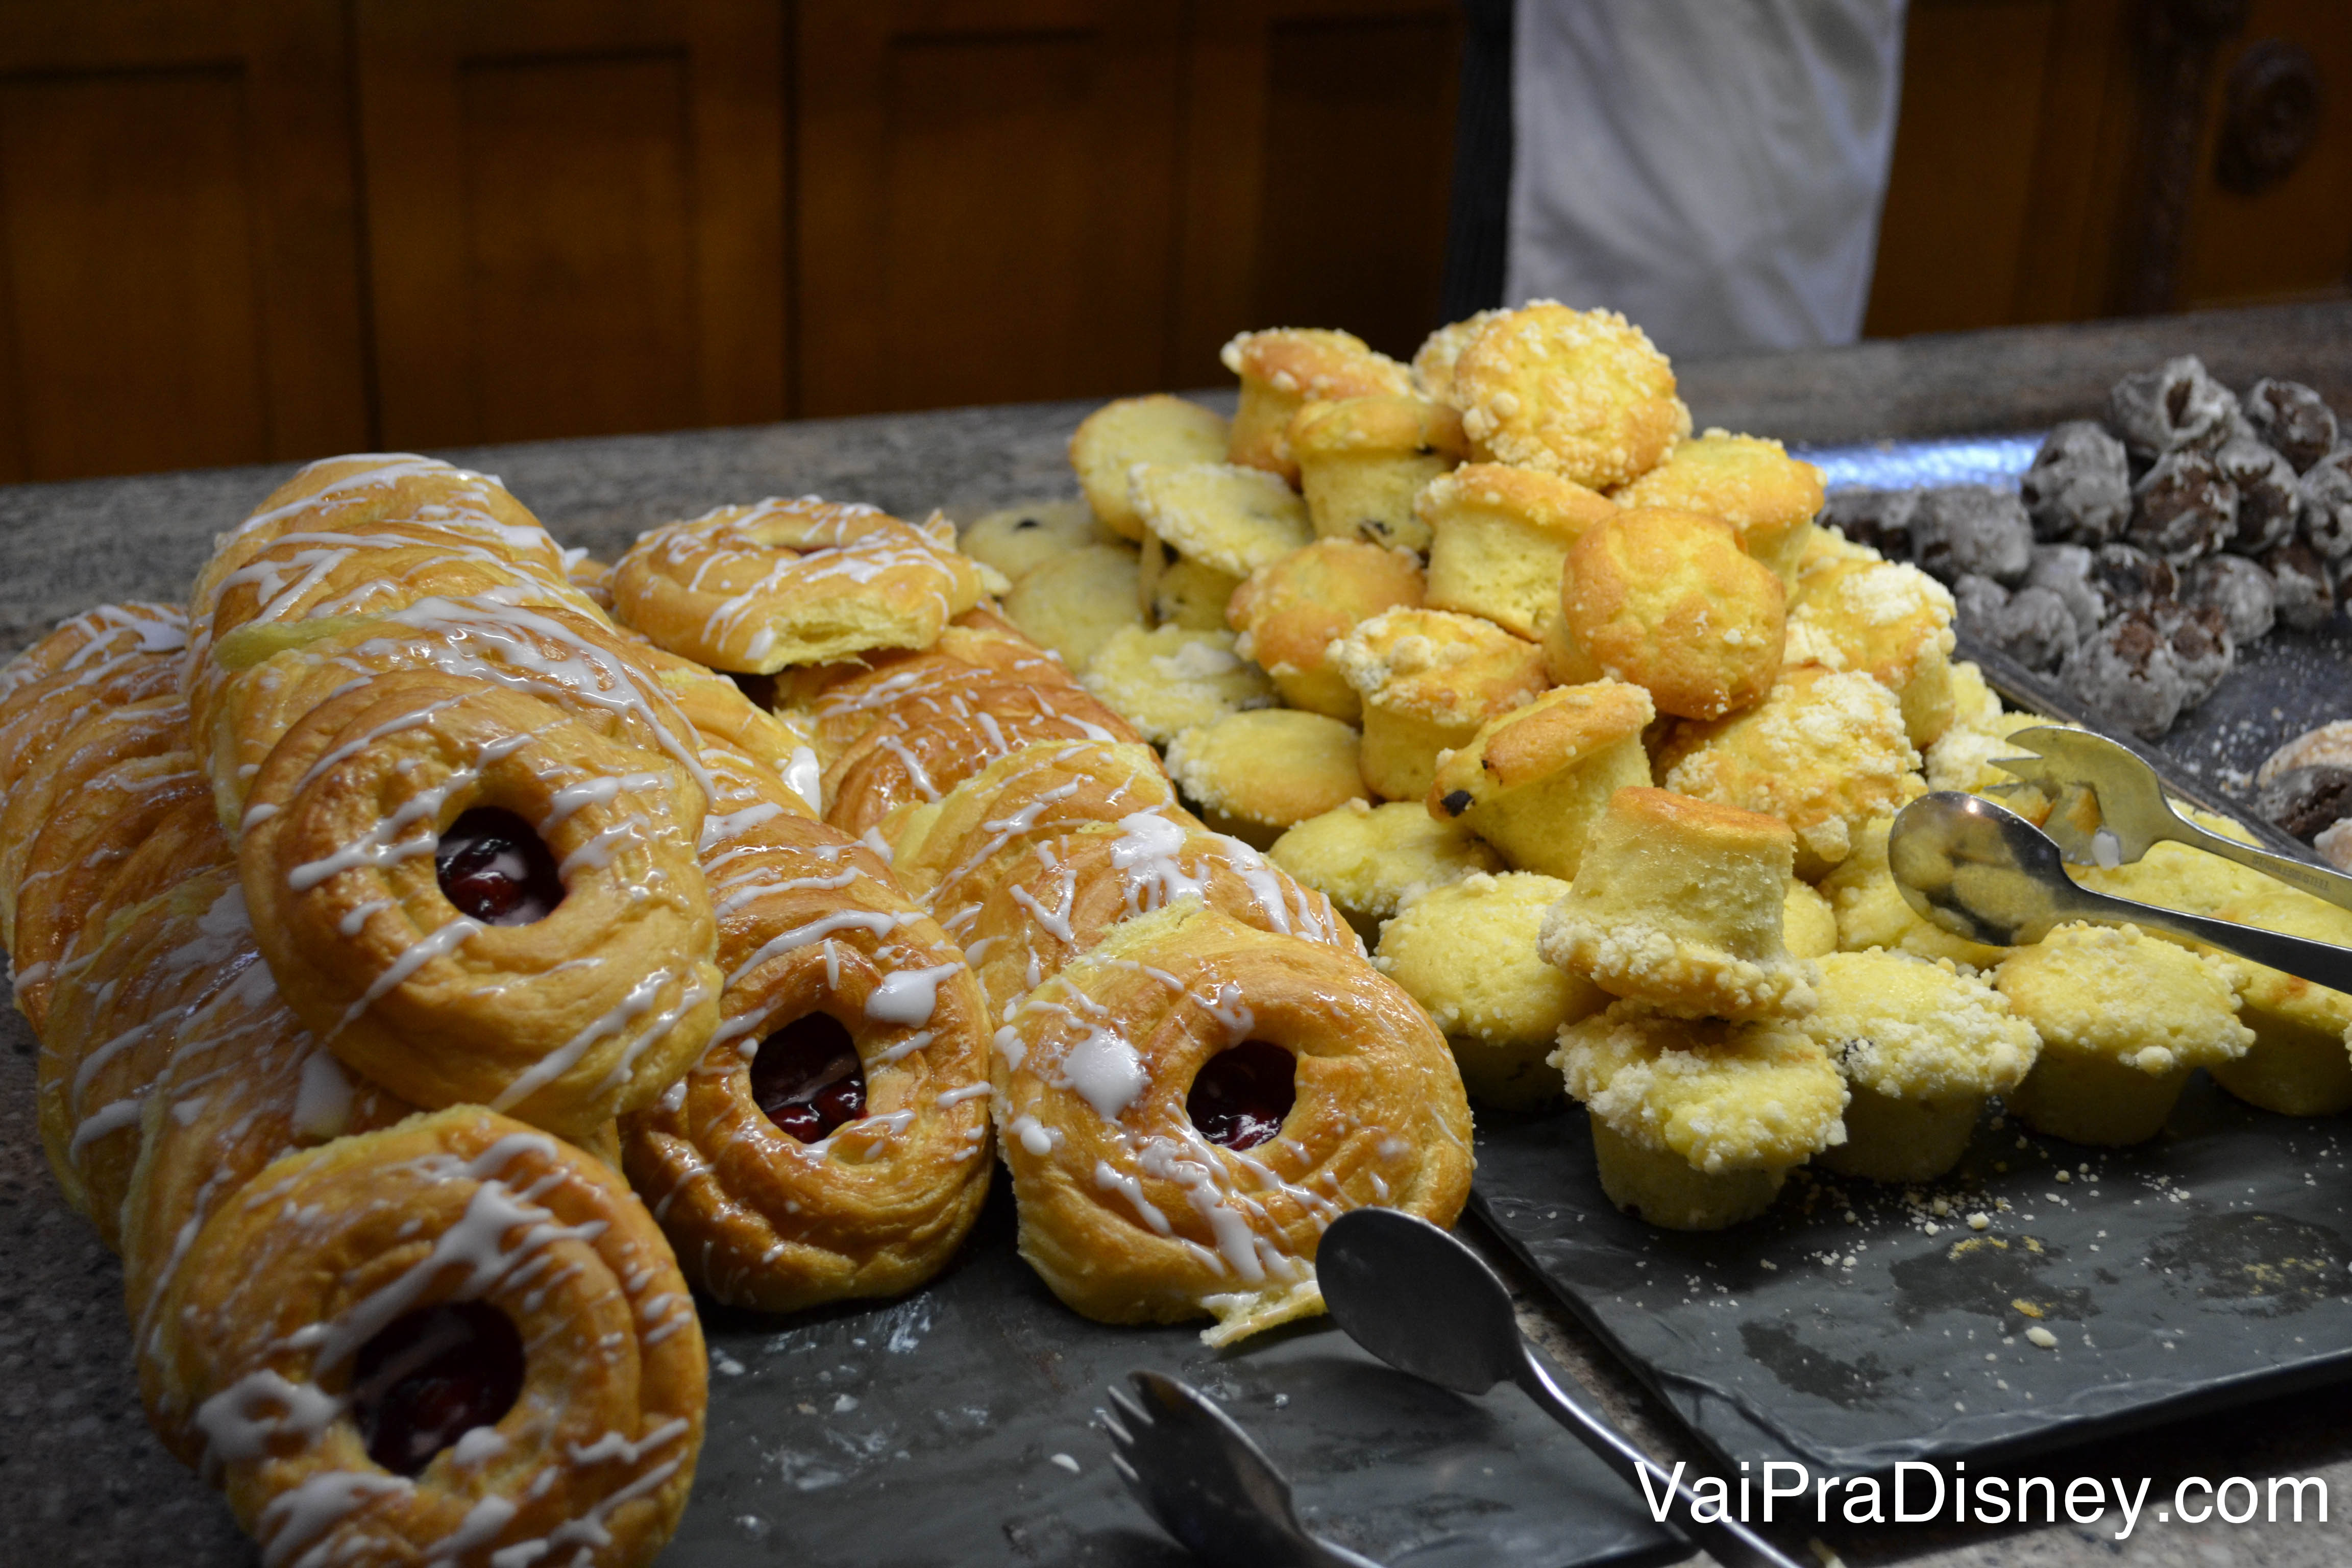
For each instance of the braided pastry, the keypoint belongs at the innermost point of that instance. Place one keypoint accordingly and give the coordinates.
(756, 588)
(833, 1139)
(454, 1339)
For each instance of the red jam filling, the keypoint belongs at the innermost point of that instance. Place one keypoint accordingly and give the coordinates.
(431, 1376)
(1241, 1095)
(494, 868)
(807, 1078)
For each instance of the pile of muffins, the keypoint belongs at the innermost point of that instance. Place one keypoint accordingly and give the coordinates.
(1595, 732)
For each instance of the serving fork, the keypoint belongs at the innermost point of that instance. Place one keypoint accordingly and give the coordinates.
(1208, 1484)
(2108, 808)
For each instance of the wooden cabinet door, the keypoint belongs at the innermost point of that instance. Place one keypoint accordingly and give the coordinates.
(575, 214)
(987, 199)
(179, 268)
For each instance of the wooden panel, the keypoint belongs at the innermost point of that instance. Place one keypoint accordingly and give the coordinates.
(1288, 165)
(987, 201)
(179, 278)
(2293, 241)
(1952, 235)
(1358, 155)
(575, 216)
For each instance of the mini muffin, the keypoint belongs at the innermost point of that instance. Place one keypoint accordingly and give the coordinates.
(1872, 912)
(1286, 368)
(1167, 682)
(1889, 621)
(1808, 925)
(1074, 603)
(1432, 362)
(2123, 1019)
(1231, 518)
(1174, 592)
(1668, 601)
(1370, 860)
(1497, 537)
(1818, 547)
(1697, 1122)
(1824, 752)
(1155, 429)
(1362, 460)
(1681, 904)
(1290, 611)
(1257, 774)
(1466, 953)
(1534, 780)
(1016, 538)
(1428, 679)
(1767, 497)
(2297, 1065)
(1923, 1047)
(1580, 394)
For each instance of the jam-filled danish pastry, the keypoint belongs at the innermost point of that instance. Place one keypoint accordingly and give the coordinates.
(831, 1141)
(470, 897)
(1186, 1107)
(756, 588)
(456, 1340)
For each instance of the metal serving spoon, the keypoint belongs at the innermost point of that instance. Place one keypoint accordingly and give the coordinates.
(1426, 1304)
(1209, 1486)
(2101, 787)
(1982, 871)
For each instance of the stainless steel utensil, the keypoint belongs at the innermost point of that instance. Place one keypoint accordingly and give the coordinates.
(1426, 1304)
(2102, 790)
(1209, 1486)
(1982, 871)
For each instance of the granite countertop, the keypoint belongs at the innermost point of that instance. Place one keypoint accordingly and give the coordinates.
(82, 1482)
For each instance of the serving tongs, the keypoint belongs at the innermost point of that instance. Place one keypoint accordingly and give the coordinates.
(2108, 808)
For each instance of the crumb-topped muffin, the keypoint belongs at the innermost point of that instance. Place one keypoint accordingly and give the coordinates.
(1824, 752)
(1534, 780)
(1681, 904)
(1258, 773)
(1361, 461)
(1370, 860)
(1697, 1122)
(1432, 362)
(1497, 538)
(1076, 600)
(2123, 1019)
(1231, 518)
(1923, 1047)
(1290, 611)
(1164, 683)
(1580, 394)
(1889, 621)
(1466, 953)
(1669, 601)
(1283, 369)
(1161, 428)
(1767, 497)
(1428, 679)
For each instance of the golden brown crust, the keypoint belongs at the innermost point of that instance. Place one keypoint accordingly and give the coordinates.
(106, 657)
(1381, 424)
(812, 923)
(1284, 368)
(1434, 362)
(436, 1006)
(756, 588)
(926, 744)
(1127, 1211)
(1534, 780)
(1290, 611)
(1435, 665)
(1499, 539)
(1668, 601)
(1767, 497)
(1580, 394)
(325, 1248)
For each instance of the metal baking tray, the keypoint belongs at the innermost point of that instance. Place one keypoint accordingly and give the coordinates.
(1857, 1325)
(957, 1426)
